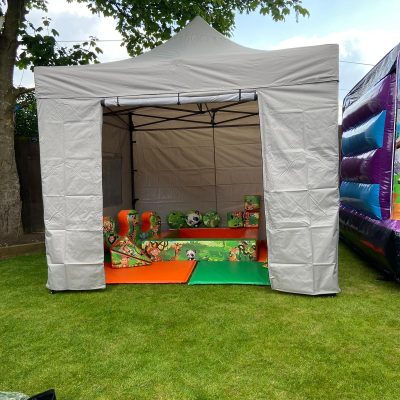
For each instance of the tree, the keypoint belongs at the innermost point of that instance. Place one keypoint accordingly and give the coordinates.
(143, 25)
(38, 48)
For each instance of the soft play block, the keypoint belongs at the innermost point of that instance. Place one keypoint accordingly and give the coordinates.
(109, 234)
(230, 273)
(176, 219)
(234, 219)
(252, 202)
(128, 222)
(159, 272)
(251, 219)
(151, 225)
(211, 219)
(262, 252)
(125, 253)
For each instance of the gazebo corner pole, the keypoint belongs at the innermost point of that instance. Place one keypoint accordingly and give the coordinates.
(215, 161)
(131, 142)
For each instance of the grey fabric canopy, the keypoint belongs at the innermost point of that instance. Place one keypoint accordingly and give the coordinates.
(297, 103)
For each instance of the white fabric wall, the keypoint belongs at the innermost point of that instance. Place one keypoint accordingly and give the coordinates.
(300, 151)
(239, 165)
(176, 168)
(116, 141)
(70, 156)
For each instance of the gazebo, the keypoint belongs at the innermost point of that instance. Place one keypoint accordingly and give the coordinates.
(194, 123)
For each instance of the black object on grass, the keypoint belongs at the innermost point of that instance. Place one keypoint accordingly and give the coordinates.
(47, 395)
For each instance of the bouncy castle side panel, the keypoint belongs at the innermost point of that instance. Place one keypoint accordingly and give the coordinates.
(367, 149)
(370, 174)
(396, 164)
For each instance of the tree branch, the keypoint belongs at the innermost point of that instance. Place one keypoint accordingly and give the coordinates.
(18, 92)
(119, 8)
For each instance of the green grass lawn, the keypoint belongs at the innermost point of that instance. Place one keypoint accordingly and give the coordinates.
(199, 342)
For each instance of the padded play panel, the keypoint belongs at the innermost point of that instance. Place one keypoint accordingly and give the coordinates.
(262, 251)
(205, 244)
(211, 233)
(230, 273)
(158, 272)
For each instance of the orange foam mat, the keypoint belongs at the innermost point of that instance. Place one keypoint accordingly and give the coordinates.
(262, 251)
(158, 272)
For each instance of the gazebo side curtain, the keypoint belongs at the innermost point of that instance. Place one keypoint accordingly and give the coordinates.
(71, 167)
(300, 155)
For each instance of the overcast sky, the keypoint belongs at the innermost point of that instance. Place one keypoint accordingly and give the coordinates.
(365, 30)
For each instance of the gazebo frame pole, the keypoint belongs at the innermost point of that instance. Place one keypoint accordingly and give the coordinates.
(132, 167)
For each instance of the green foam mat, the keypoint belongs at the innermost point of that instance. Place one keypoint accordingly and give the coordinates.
(230, 273)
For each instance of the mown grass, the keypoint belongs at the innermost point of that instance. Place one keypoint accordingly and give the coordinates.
(199, 342)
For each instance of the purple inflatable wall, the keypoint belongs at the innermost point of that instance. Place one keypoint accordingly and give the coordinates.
(378, 240)
(367, 167)
(374, 166)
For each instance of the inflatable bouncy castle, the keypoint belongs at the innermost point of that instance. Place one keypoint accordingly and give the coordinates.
(370, 166)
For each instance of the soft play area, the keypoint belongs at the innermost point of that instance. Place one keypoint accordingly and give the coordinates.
(370, 166)
(190, 164)
(194, 250)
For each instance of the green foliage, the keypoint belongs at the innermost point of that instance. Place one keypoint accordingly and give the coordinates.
(26, 123)
(146, 24)
(40, 48)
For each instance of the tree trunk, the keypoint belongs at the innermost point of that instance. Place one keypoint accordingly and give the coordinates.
(10, 200)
